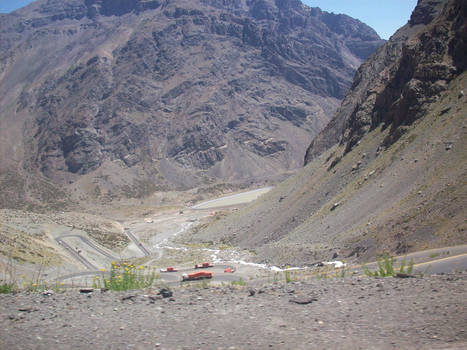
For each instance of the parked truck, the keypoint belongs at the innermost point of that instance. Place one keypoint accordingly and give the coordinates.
(169, 269)
(196, 276)
(203, 265)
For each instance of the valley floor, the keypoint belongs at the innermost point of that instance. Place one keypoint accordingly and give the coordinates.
(349, 313)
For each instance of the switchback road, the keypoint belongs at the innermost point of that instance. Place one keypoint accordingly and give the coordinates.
(137, 242)
(75, 254)
(91, 244)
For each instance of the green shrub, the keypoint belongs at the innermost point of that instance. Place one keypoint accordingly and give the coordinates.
(7, 288)
(125, 277)
(386, 268)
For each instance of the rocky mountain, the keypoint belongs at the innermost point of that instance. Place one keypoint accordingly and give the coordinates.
(396, 87)
(388, 172)
(124, 98)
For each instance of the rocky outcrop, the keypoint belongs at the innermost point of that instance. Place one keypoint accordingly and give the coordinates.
(178, 93)
(396, 86)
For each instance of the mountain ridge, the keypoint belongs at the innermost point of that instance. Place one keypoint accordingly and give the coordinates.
(387, 175)
(121, 99)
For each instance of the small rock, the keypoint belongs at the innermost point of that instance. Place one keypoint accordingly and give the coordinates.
(303, 301)
(403, 275)
(166, 293)
(48, 292)
(461, 94)
(86, 290)
(252, 292)
(27, 309)
(128, 297)
(153, 298)
(445, 110)
(335, 205)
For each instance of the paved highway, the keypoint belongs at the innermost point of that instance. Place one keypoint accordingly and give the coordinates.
(137, 242)
(75, 254)
(234, 199)
(443, 265)
(432, 261)
(91, 244)
(171, 278)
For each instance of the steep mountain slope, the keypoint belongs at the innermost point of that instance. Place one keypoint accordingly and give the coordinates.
(125, 97)
(395, 179)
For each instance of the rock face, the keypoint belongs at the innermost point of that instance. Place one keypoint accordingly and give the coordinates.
(133, 96)
(402, 80)
(388, 172)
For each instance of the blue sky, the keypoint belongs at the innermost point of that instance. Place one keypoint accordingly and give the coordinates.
(384, 16)
(10, 5)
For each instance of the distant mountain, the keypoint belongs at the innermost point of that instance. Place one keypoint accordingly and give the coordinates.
(123, 98)
(388, 173)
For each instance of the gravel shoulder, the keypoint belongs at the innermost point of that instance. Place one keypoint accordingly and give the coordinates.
(413, 313)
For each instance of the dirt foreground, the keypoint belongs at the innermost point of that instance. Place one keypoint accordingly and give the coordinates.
(350, 313)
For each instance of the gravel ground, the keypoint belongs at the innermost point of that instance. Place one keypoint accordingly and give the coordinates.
(391, 313)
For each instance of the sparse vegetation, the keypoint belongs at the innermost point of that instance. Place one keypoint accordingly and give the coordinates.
(7, 287)
(386, 268)
(239, 282)
(125, 276)
(205, 284)
(331, 272)
(35, 285)
(289, 276)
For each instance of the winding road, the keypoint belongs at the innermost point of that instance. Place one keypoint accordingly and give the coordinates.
(75, 254)
(91, 244)
(432, 261)
(137, 242)
(442, 260)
